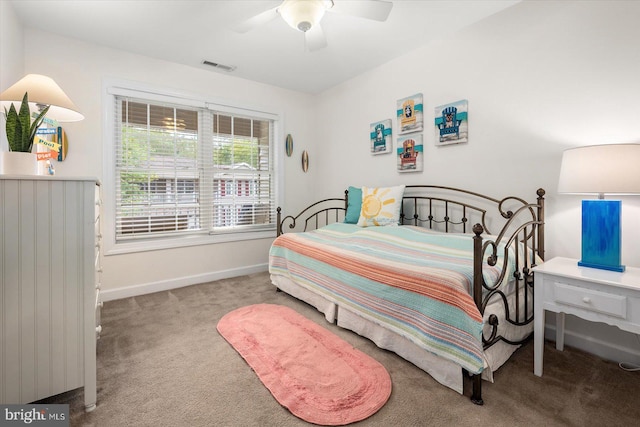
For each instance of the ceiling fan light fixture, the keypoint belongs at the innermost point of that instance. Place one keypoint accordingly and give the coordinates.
(302, 15)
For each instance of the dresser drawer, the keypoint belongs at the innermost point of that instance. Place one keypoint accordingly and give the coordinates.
(590, 300)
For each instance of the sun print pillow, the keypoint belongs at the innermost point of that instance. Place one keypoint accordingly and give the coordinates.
(381, 206)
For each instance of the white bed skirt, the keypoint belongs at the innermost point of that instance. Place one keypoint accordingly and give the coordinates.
(442, 370)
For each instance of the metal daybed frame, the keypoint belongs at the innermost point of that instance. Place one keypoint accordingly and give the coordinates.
(520, 225)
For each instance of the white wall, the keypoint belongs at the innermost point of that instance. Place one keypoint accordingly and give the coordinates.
(11, 46)
(540, 77)
(11, 56)
(79, 68)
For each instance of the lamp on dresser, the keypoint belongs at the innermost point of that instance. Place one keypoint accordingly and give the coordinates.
(42, 91)
(612, 169)
(40, 94)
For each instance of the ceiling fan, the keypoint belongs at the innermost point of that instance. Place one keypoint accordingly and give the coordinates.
(305, 16)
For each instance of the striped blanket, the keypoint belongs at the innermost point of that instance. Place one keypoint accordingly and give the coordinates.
(408, 279)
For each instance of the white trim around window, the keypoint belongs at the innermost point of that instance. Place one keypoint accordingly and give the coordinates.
(113, 89)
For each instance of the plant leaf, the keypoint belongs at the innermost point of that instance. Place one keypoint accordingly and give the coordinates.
(17, 137)
(12, 120)
(36, 124)
(21, 131)
(24, 116)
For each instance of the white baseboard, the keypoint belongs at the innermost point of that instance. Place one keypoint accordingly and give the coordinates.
(605, 349)
(165, 285)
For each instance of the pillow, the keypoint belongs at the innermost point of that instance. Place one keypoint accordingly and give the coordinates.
(381, 206)
(353, 205)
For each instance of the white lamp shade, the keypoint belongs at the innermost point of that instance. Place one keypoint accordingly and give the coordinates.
(44, 91)
(601, 169)
(302, 15)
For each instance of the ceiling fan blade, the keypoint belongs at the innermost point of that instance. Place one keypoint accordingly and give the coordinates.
(314, 39)
(255, 21)
(378, 10)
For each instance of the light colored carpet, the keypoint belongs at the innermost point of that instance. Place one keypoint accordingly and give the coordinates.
(161, 362)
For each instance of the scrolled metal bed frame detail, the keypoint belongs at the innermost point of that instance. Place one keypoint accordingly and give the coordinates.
(522, 229)
(313, 214)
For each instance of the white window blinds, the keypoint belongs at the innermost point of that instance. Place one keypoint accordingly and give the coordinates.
(181, 169)
(242, 172)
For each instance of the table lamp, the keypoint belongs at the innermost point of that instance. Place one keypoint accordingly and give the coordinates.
(42, 91)
(601, 169)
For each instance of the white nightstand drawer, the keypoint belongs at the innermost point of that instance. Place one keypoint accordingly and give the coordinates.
(601, 302)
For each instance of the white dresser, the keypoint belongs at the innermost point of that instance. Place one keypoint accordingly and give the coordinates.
(49, 287)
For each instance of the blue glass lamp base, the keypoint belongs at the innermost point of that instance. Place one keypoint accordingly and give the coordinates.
(601, 235)
(618, 268)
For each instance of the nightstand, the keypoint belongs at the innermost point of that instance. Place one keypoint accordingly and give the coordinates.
(589, 293)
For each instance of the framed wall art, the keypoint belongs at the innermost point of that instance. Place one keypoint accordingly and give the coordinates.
(451, 123)
(410, 153)
(380, 136)
(410, 114)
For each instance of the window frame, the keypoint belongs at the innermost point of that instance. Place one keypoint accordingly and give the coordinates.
(115, 87)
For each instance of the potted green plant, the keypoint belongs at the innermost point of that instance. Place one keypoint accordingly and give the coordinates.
(21, 132)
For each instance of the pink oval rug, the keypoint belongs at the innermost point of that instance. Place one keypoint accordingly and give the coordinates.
(309, 370)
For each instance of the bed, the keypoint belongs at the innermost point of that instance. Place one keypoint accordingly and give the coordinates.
(415, 277)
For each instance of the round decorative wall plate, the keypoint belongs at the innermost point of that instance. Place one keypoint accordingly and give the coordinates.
(305, 161)
(289, 145)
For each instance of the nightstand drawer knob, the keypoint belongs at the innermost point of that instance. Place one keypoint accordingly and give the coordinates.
(586, 300)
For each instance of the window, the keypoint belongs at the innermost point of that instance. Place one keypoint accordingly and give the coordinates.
(242, 180)
(190, 168)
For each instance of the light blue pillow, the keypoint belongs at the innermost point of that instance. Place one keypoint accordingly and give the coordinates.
(354, 205)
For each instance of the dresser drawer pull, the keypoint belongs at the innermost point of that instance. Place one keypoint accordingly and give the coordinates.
(586, 300)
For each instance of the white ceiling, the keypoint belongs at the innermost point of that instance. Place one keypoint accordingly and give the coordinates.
(189, 32)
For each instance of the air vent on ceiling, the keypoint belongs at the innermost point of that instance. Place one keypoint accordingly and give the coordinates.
(220, 66)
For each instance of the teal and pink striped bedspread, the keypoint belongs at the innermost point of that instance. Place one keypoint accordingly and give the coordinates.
(408, 279)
